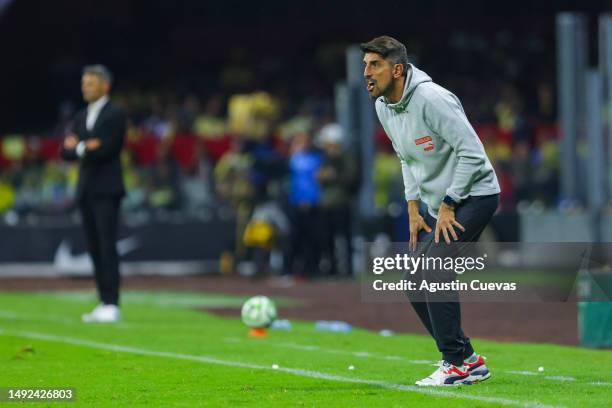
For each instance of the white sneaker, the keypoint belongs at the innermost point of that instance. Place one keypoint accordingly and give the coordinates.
(103, 314)
(446, 375)
(477, 370)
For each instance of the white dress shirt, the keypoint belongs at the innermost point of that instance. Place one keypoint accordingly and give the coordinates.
(93, 111)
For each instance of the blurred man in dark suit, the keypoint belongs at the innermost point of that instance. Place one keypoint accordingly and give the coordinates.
(96, 141)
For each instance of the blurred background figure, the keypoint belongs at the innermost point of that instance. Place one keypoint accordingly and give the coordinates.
(338, 177)
(96, 141)
(267, 237)
(304, 252)
(234, 186)
(164, 189)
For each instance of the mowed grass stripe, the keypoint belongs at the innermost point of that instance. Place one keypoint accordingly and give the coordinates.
(294, 371)
(11, 315)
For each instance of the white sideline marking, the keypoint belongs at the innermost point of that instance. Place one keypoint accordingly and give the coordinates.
(418, 361)
(560, 378)
(398, 358)
(7, 314)
(294, 371)
(553, 377)
(362, 354)
(600, 383)
(522, 372)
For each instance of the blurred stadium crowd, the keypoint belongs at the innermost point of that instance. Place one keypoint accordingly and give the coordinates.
(255, 137)
(188, 154)
(179, 154)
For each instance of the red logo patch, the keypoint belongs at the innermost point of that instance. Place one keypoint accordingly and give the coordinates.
(429, 147)
(422, 140)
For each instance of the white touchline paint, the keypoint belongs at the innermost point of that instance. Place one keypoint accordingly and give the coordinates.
(295, 371)
(362, 354)
(76, 320)
(398, 358)
(521, 372)
(553, 377)
(24, 316)
(600, 383)
(9, 314)
(417, 361)
(559, 378)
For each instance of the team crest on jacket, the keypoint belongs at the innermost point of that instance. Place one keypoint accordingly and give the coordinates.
(425, 139)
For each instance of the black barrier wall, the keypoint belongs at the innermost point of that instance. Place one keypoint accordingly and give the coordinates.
(156, 241)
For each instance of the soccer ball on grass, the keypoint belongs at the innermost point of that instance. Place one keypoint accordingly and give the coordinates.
(258, 312)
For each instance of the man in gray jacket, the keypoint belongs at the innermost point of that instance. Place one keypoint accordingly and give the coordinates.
(444, 165)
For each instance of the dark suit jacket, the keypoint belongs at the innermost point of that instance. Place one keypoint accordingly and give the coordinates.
(100, 170)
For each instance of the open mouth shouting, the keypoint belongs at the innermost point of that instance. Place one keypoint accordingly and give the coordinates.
(370, 83)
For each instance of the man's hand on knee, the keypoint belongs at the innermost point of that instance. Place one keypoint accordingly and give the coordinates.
(446, 224)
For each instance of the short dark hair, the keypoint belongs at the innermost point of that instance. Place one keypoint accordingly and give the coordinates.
(389, 48)
(99, 70)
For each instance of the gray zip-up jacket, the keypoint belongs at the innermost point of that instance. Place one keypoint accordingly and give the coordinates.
(439, 150)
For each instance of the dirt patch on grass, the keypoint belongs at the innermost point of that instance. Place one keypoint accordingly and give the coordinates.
(341, 300)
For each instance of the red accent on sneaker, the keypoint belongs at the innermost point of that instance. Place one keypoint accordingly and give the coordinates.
(454, 370)
(471, 366)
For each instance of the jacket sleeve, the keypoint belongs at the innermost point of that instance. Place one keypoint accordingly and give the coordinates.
(444, 115)
(111, 139)
(411, 189)
(70, 154)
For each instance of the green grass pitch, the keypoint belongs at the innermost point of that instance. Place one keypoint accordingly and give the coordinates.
(167, 353)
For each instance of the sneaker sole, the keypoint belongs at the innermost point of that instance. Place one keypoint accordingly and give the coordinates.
(457, 384)
(473, 379)
(95, 320)
(464, 381)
